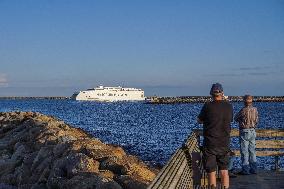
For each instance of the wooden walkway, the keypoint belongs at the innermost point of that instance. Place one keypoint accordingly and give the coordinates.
(184, 170)
(263, 180)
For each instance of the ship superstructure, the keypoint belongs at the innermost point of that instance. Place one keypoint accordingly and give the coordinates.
(110, 94)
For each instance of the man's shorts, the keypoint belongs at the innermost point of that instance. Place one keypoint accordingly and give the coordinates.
(215, 157)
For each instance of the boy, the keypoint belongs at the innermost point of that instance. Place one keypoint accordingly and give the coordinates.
(247, 118)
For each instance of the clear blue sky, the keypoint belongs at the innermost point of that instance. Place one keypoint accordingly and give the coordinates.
(166, 47)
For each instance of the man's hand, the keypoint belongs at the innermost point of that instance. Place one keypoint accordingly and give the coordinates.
(199, 121)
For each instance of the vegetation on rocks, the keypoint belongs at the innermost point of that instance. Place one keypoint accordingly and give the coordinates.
(39, 151)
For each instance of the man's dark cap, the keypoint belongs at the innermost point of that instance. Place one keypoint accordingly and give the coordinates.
(216, 89)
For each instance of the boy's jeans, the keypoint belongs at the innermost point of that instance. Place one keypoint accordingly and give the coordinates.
(248, 156)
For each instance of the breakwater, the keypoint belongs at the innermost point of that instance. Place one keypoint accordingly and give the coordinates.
(34, 98)
(39, 151)
(202, 99)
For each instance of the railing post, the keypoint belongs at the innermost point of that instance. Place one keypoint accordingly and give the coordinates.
(198, 140)
(276, 163)
(198, 137)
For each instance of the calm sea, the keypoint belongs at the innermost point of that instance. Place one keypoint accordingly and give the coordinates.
(152, 132)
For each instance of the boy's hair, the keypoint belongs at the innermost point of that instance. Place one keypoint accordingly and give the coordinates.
(248, 99)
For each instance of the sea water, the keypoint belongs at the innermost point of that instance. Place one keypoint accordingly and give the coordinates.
(151, 132)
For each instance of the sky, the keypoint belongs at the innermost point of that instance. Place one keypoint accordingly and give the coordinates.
(166, 47)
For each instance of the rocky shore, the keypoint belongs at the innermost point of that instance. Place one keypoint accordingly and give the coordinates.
(42, 152)
(203, 99)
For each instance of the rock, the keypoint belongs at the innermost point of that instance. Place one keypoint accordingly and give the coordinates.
(105, 183)
(20, 152)
(60, 149)
(106, 174)
(41, 152)
(127, 182)
(39, 186)
(8, 179)
(25, 186)
(76, 163)
(42, 155)
(92, 181)
(22, 174)
(115, 165)
(5, 155)
(30, 158)
(44, 175)
(64, 139)
(8, 167)
(6, 186)
(139, 170)
(39, 170)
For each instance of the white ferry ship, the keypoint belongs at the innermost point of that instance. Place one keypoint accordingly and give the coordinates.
(110, 94)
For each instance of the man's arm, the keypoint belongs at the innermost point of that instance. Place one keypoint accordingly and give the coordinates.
(201, 116)
(256, 117)
(199, 121)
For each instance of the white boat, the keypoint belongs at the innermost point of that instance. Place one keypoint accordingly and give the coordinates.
(110, 94)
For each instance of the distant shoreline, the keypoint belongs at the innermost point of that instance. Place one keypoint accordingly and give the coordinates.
(43, 97)
(164, 100)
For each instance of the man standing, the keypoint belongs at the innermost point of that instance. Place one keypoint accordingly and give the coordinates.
(216, 117)
(247, 118)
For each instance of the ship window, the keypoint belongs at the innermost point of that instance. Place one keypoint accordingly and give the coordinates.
(125, 94)
(103, 94)
(142, 96)
(110, 94)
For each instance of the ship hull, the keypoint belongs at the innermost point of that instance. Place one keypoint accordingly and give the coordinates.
(110, 94)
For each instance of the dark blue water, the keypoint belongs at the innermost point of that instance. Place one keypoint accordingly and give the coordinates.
(152, 132)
